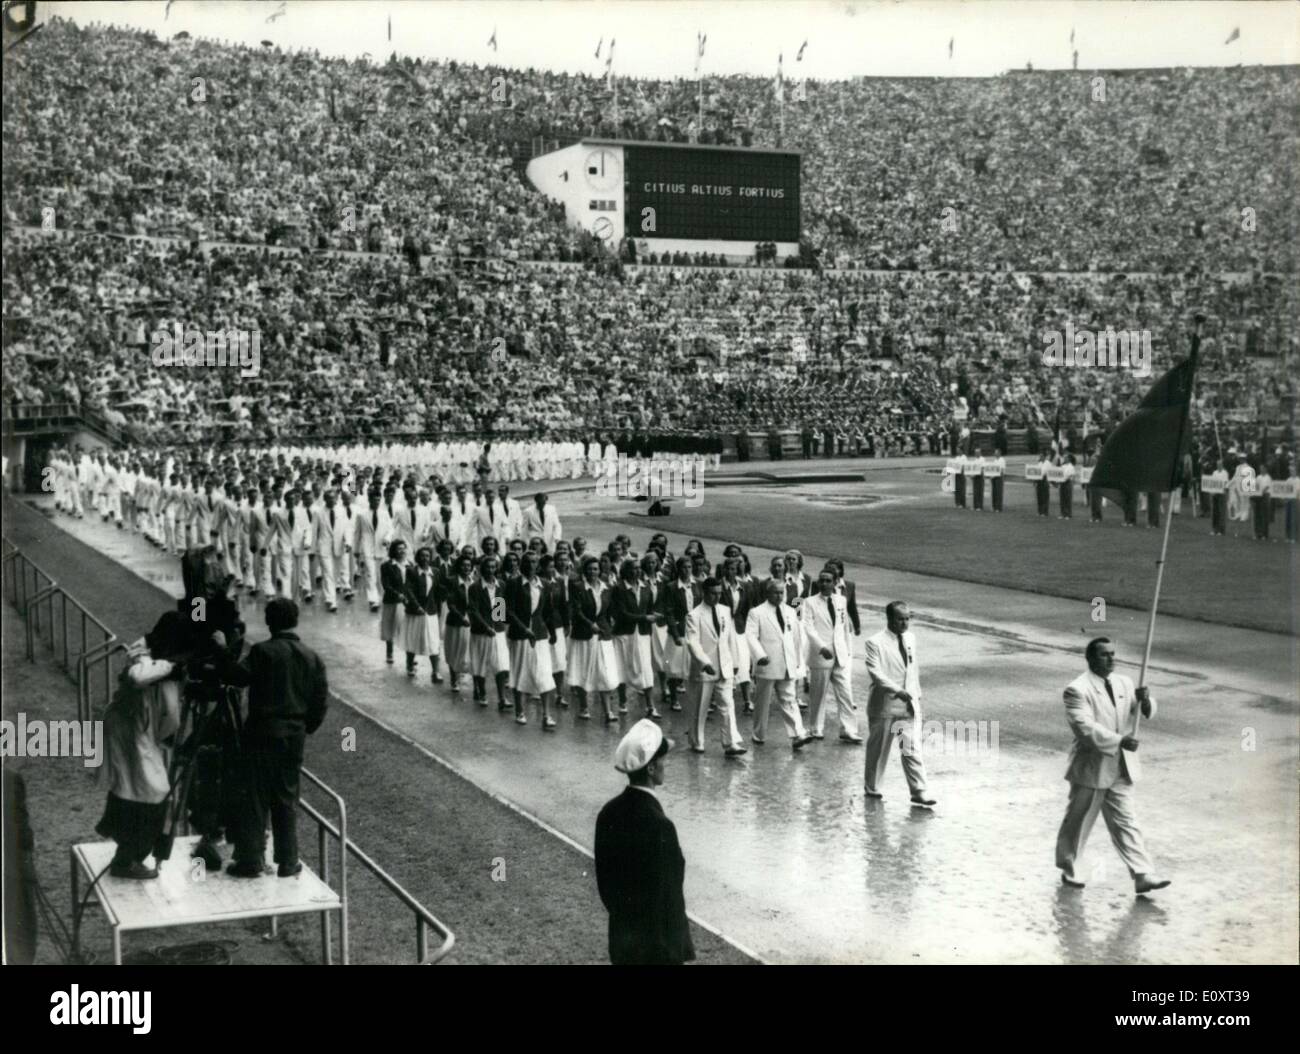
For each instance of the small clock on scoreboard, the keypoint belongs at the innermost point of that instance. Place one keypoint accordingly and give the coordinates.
(603, 170)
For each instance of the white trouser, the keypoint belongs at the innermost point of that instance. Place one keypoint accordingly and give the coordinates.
(262, 572)
(370, 577)
(722, 694)
(328, 576)
(763, 689)
(283, 572)
(345, 571)
(1115, 804)
(883, 728)
(833, 680)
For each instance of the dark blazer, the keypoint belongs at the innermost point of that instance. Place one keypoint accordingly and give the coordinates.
(421, 601)
(633, 609)
(583, 610)
(456, 595)
(520, 613)
(740, 604)
(673, 608)
(639, 872)
(561, 590)
(480, 602)
(287, 687)
(851, 601)
(392, 576)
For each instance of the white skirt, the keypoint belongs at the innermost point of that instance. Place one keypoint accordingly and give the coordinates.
(421, 635)
(456, 648)
(559, 652)
(593, 665)
(530, 667)
(659, 648)
(391, 618)
(677, 660)
(488, 656)
(636, 667)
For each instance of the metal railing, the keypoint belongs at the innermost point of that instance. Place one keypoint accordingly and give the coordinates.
(29, 588)
(44, 605)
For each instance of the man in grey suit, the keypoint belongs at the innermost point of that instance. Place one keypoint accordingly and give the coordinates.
(1101, 707)
(894, 705)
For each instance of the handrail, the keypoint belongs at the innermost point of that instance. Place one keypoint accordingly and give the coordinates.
(424, 919)
(28, 600)
(108, 648)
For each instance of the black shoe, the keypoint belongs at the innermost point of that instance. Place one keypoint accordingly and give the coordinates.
(923, 802)
(289, 870)
(246, 869)
(735, 752)
(207, 852)
(135, 869)
(800, 742)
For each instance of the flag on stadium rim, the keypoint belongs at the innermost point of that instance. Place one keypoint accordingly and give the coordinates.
(1144, 455)
(951, 41)
(600, 44)
(799, 57)
(1234, 35)
(700, 39)
(492, 40)
(609, 62)
(779, 84)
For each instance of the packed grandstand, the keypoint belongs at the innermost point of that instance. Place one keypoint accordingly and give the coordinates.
(371, 222)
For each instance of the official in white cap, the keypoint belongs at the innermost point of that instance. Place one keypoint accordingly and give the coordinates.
(639, 862)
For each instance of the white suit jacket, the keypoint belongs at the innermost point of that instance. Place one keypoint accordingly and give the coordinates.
(888, 673)
(369, 540)
(546, 526)
(785, 650)
(817, 628)
(331, 539)
(496, 521)
(1096, 759)
(720, 649)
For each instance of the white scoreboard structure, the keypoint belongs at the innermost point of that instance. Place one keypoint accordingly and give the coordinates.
(676, 197)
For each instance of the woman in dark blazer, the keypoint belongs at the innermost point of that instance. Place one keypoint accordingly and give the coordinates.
(454, 594)
(530, 633)
(632, 609)
(421, 632)
(392, 579)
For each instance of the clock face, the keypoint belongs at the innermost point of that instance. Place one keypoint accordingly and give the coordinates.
(603, 228)
(603, 170)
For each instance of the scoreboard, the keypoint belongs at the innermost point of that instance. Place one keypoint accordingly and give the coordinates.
(675, 196)
(712, 193)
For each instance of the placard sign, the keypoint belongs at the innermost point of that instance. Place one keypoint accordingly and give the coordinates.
(1284, 489)
(973, 466)
(1085, 475)
(953, 466)
(1034, 471)
(992, 470)
(1056, 474)
(1210, 485)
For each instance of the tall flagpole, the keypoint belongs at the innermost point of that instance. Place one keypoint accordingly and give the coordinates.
(1164, 543)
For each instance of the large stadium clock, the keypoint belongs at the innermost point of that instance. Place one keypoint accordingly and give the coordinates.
(603, 170)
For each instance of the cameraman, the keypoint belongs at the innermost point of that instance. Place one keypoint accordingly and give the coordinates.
(287, 692)
(214, 746)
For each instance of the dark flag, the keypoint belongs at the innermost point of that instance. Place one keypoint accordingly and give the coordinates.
(799, 57)
(1144, 455)
(1234, 35)
(390, 27)
(951, 42)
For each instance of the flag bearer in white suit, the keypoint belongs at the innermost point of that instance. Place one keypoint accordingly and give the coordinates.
(894, 705)
(715, 661)
(332, 542)
(776, 645)
(542, 521)
(347, 563)
(825, 619)
(302, 536)
(1101, 707)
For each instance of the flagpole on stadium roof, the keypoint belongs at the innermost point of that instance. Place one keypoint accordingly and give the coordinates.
(1169, 520)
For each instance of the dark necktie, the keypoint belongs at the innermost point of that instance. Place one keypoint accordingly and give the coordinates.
(1111, 692)
(374, 519)
(492, 513)
(830, 606)
(292, 518)
(412, 517)
(779, 617)
(446, 515)
(716, 628)
(331, 515)
(902, 648)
